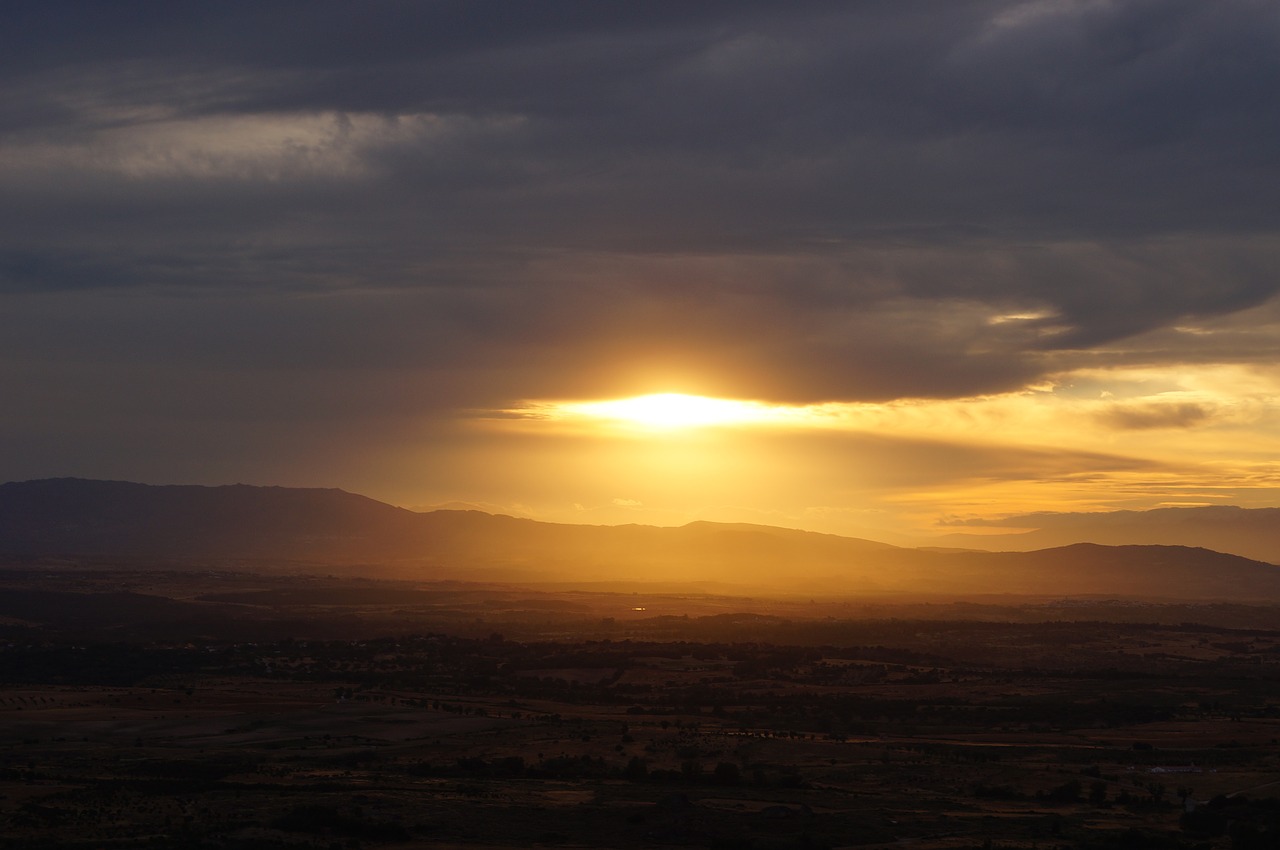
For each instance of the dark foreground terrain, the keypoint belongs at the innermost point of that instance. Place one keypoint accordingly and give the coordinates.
(226, 710)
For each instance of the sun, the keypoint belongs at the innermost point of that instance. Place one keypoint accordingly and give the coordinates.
(675, 412)
(672, 410)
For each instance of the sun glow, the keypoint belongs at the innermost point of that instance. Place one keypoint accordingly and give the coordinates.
(672, 410)
(1087, 440)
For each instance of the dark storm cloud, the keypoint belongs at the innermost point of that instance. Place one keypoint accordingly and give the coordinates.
(802, 201)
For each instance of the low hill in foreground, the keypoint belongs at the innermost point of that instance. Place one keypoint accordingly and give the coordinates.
(187, 524)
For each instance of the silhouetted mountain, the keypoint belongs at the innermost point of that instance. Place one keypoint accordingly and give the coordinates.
(1249, 532)
(71, 516)
(118, 520)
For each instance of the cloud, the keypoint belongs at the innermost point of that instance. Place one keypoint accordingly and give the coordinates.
(1146, 416)
(430, 209)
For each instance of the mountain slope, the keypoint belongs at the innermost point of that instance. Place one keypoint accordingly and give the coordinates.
(79, 517)
(1249, 532)
(72, 517)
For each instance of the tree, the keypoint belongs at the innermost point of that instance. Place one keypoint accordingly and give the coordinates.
(727, 773)
(1098, 793)
(637, 770)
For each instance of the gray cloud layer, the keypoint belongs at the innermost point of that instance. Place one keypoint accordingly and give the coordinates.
(482, 202)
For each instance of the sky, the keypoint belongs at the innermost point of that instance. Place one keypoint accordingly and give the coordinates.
(939, 263)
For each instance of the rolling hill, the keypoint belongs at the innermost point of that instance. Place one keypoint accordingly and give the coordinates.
(1250, 532)
(310, 527)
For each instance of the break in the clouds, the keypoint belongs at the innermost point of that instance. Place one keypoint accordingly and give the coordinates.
(345, 220)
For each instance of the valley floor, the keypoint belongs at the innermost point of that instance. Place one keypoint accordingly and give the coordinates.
(565, 729)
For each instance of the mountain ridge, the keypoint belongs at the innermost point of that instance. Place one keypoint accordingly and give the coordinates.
(1249, 532)
(329, 526)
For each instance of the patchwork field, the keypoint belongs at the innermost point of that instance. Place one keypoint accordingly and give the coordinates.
(483, 726)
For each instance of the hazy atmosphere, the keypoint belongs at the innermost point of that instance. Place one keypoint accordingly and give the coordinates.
(926, 265)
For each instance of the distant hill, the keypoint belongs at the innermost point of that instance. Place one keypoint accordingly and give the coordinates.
(186, 524)
(82, 518)
(71, 516)
(1250, 532)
